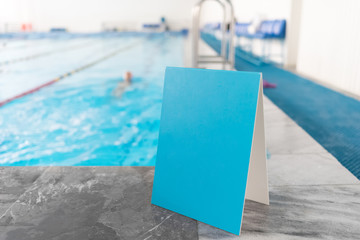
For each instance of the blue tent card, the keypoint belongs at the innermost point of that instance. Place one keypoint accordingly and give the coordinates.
(211, 151)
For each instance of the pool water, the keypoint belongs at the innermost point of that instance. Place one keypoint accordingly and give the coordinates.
(78, 121)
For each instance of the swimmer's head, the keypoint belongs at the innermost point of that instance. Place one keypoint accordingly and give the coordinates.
(128, 77)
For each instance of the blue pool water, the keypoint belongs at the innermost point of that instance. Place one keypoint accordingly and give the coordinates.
(77, 121)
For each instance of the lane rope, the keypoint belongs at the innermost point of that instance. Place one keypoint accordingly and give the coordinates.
(76, 70)
(43, 54)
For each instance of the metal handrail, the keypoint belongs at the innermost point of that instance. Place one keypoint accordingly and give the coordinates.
(226, 59)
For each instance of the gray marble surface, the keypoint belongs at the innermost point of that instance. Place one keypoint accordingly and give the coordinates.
(14, 181)
(92, 203)
(114, 203)
(299, 212)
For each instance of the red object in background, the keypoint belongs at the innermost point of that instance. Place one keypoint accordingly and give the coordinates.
(26, 27)
(266, 84)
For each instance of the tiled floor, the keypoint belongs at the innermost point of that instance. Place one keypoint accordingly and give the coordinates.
(311, 197)
(299, 212)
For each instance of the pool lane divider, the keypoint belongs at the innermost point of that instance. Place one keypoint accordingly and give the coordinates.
(70, 73)
(43, 54)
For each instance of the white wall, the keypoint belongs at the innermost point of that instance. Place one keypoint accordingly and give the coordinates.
(246, 10)
(88, 15)
(329, 46)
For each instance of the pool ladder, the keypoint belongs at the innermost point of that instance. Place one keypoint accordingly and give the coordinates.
(226, 39)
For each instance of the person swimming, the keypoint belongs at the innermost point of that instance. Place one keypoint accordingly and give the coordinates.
(123, 85)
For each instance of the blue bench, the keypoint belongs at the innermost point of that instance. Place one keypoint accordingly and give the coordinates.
(241, 29)
(58, 30)
(151, 25)
(211, 27)
(268, 30)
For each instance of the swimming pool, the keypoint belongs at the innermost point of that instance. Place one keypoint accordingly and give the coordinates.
(77, 121)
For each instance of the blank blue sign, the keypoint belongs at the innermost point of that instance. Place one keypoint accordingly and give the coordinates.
(206, 131)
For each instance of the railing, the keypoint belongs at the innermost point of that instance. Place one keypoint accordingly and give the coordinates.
(227, 38)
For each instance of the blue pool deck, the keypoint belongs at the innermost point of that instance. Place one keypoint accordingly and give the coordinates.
(312, 196)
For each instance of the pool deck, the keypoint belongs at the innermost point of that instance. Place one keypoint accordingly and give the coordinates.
(312, 196)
